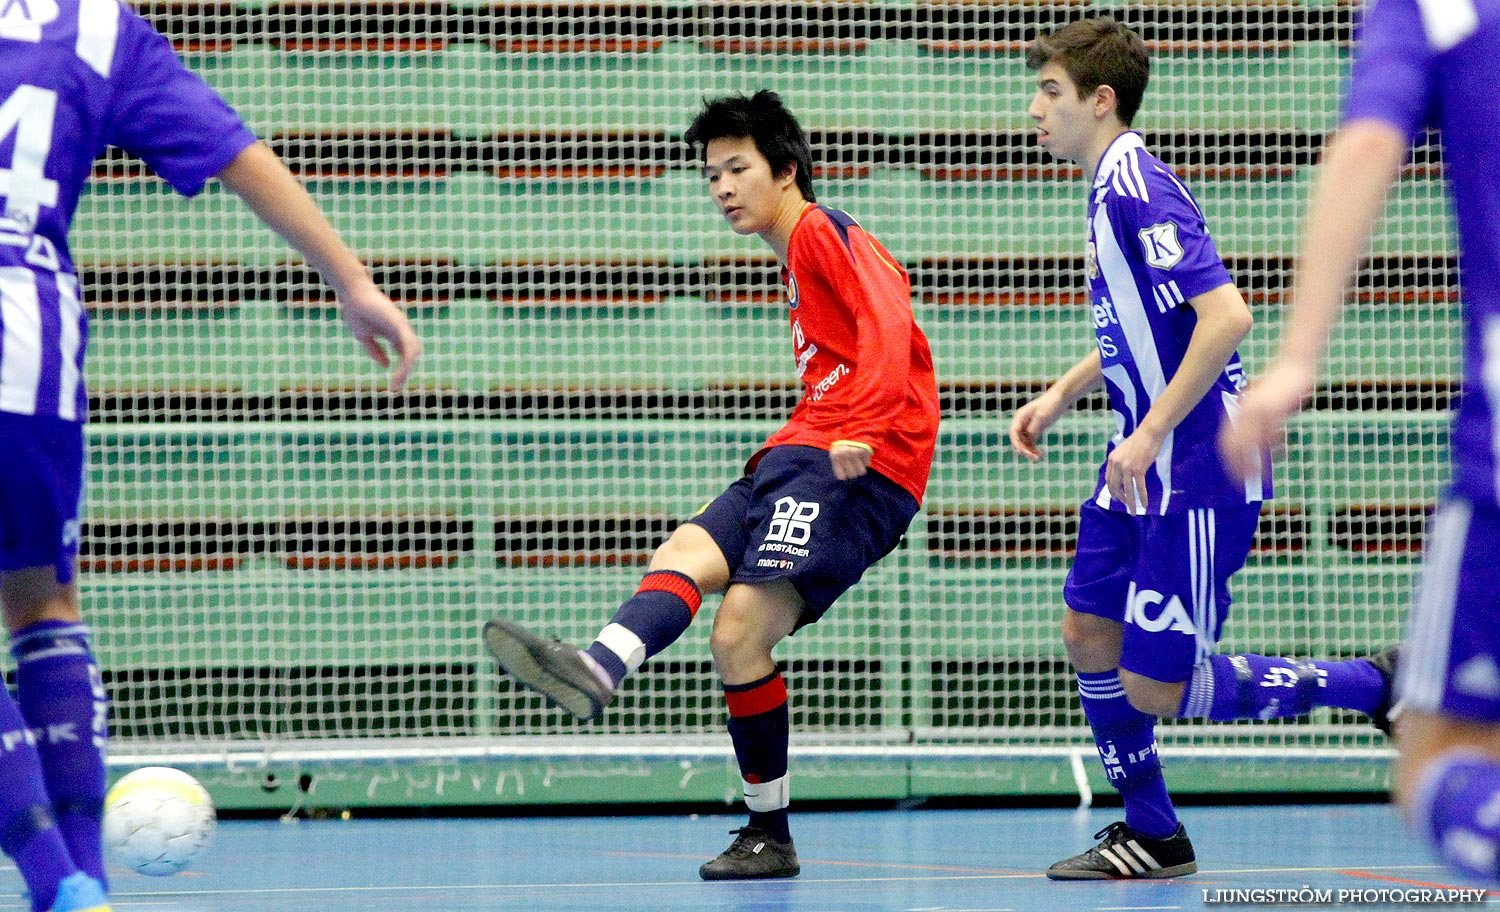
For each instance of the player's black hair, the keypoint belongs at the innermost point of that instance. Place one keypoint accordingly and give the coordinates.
(1095, 52)
(767, 122)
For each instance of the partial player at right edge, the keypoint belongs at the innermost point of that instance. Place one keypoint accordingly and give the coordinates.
(1419, 65)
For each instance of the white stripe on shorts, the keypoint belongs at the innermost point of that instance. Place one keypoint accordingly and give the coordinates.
(1207, 640)
(21, 347)
(1490, 379)
(1424, 668)
(1202, 550)
(1196, 555)
(70, 340)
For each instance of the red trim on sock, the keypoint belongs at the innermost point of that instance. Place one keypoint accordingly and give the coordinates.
(757, 700)
(675, 583)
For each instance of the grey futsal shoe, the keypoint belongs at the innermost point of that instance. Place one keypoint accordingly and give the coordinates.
(551, 668)
(1125, 855)
(1386, 661)
(753, 854)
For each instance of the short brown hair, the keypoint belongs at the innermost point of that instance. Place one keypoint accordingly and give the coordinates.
(1095, 52)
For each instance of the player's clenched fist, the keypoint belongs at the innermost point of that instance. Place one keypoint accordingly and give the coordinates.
(850, 460)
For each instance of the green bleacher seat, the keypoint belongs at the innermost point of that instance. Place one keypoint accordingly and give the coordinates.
(450, 483)
(473, 218)
(473, 91)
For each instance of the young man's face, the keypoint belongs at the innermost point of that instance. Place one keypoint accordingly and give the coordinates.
(1066, 122)
(742, 185)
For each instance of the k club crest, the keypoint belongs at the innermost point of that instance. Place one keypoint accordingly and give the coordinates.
(1161, 246)
(791, 291)
(1091, 261)
(21, 20)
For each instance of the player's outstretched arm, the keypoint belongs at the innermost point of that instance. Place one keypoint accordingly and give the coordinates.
(1360, 165)
(1033, 419)
(260, 178)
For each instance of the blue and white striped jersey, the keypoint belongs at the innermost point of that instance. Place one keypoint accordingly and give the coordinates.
(1434, 63)
(1149, 253)
(77, 76)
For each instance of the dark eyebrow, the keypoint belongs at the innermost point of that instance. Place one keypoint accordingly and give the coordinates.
(731, 160)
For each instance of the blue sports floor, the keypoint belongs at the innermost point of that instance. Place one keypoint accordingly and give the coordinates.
(903, 861)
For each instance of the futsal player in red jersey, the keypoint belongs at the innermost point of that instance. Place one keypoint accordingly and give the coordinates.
(820, 502)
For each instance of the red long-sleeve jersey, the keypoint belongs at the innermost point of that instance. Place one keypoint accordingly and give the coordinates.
(865, 365)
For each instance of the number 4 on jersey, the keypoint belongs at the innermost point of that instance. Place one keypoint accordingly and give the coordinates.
(28, 114)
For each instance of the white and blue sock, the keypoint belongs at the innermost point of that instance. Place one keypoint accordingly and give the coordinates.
(648, 622)
(28, 829)
(760, 728)
(61, 694)
(1247, 686)
(1126, 739)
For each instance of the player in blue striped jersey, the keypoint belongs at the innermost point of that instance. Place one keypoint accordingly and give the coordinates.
(1422, 64)
(1167, 524)
(75, 77)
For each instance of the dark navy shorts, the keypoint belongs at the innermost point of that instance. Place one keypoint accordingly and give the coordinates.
(41, 488)
(1451, 663)
(792, 519)
(1166, 578)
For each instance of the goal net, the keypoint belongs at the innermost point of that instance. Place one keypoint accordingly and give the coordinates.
(281, 555)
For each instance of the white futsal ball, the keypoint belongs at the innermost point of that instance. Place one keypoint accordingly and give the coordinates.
(157, 820)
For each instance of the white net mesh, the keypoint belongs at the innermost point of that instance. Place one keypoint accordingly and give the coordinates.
(280, 550)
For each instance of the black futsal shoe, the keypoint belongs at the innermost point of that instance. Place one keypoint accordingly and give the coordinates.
(551, 668)
(1125, 854)
(754, 854)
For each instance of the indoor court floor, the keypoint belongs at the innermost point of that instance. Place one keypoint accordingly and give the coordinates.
(891, 861)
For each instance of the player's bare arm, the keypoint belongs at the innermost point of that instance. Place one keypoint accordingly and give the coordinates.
(1361, 164)
(1033, 419)
(260, 178)
(1223, 322)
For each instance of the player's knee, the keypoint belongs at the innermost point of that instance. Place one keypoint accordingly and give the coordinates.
(31, 596)
(739, 646)
(1152, 697)
(731, 642)
(675, 550)
(1092, 643)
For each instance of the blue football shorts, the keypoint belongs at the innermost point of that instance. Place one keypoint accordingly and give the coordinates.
(1166, 578)
(1451, 663)
(41, 491)
(792, 519)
